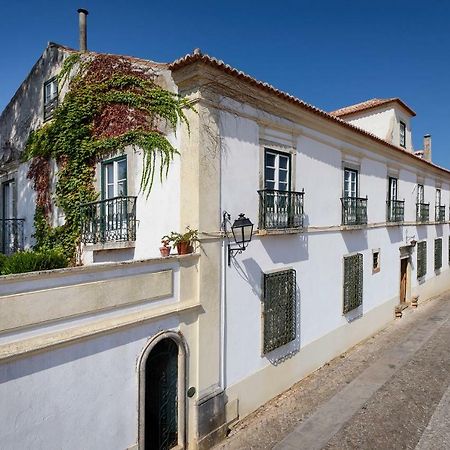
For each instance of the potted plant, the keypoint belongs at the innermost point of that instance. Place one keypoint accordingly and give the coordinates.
(165, 249)
(183, 241)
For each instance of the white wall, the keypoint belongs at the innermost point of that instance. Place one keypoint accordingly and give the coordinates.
(81, 396)
(317, 253)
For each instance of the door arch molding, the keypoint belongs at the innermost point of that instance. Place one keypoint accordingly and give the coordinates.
(179, 340)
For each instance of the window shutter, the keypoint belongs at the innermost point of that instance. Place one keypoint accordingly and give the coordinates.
(437, 254)
(421, 259)
(279, 309)
(353, 282)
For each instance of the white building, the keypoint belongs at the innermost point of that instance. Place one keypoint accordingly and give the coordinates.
(349, 225)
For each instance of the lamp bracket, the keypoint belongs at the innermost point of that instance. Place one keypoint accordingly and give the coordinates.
(234, 251)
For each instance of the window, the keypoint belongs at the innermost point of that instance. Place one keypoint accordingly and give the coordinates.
(438, 197)
(402, 134)
(277, 167)
(114, 174)
(353, 282)
(279, 207)
(421, 259)
(50, 97)
(375, 261)
(393, 183)
(420, 194)
(437, 254)
(279, 309)
(350, 183)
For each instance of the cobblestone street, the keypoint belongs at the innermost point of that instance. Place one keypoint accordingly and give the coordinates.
(389, 392)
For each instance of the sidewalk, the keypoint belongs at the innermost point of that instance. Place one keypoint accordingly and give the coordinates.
(387, 392)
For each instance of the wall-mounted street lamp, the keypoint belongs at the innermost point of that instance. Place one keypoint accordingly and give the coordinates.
(242, 230)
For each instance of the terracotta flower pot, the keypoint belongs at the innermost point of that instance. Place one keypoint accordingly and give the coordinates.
(165, 251)
(184, 248)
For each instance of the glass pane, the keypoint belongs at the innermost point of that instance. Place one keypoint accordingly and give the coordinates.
(110, 191)
(122, 189)
(283, 162)
(269, 185)
(270, 160)
(269, 174)
(109, 173)
(283, 176)
(283, 187)
(122, 169)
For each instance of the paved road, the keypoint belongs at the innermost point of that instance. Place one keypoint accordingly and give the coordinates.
(391, 392)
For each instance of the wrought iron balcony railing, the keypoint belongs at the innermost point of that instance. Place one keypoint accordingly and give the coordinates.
(110, 220)
(354, 211)
(439, 213)
(11, 235)
(422, 212)
(280, 209)
(395, 211)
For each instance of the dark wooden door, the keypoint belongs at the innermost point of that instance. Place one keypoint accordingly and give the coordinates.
(161, 396)
(403, 279)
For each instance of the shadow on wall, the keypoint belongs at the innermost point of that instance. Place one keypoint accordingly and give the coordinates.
(53, 358)
(253, 275)
(395, 234)
(355, 241)
(421, 233)
(286, 249)
(439, 231)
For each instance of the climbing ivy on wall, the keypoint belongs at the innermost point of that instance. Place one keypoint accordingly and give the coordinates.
(111, 103)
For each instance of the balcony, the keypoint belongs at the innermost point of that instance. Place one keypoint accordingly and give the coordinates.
(280, 209)
(111, 220)
(439, 213)
(422, 212)
(354, 211)
(11, 235)
(395, 211)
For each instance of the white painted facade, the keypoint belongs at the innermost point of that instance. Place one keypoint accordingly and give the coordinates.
(71, 341)
(384, 121)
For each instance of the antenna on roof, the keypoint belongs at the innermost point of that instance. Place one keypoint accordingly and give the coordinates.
(82, 17)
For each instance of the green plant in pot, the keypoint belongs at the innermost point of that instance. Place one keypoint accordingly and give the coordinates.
(183, 241)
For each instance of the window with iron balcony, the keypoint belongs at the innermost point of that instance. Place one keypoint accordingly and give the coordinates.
(354, 208)
(395, 209)
(11, 228)
(112, 219)
(422, 208)
(279, 206)
(439, 213)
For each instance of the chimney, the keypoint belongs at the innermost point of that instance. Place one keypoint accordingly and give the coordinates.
(427, 147)
(82, 16)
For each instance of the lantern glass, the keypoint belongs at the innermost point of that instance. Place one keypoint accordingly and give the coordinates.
(242, 230)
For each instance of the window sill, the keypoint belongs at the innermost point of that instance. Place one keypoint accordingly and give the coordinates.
(116, 245)
(280, 231)
(353, 227)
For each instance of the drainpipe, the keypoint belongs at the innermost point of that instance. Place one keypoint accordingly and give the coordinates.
(223, 296)
(82, 17)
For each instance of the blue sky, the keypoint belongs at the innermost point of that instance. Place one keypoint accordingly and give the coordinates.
(328, 53)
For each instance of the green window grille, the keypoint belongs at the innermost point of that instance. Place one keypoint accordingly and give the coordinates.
(279, 309)
(421, 259)
(437, 254)
(353, 282)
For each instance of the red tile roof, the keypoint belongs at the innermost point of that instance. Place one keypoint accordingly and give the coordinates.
(198, 56)
(369, 104)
